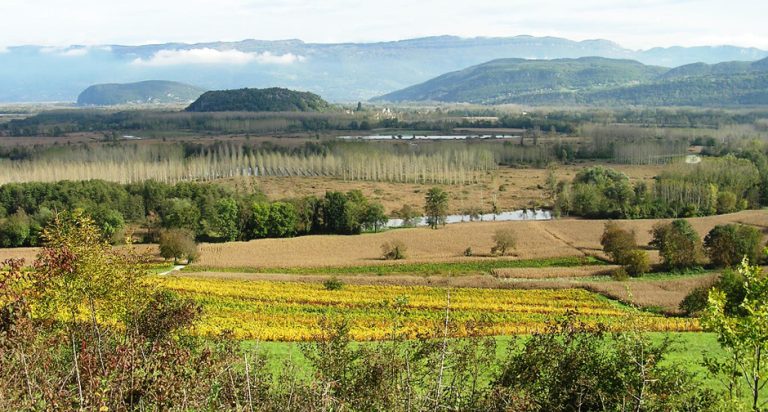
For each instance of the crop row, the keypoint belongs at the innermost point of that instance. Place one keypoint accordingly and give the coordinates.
(292, 311)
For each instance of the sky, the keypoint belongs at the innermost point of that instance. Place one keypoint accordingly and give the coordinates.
(638, 24)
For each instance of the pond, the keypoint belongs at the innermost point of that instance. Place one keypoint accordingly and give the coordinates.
(526, 214)
(427, 137)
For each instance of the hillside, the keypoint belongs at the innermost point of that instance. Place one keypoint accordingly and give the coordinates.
(258, 100)
(595, 81)
(152, 92)
(513, 80)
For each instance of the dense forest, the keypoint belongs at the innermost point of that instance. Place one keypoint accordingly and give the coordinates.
(715, 186)
(212, 212)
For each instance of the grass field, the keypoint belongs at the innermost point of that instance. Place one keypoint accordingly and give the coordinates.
(277, 311)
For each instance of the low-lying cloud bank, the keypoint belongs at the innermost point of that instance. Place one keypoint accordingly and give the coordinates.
(213, 56)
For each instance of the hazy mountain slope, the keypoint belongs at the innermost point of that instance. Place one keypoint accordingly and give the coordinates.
(339, 72)
(258, 100)
(595, 81)
(512, 79)
(151, 91)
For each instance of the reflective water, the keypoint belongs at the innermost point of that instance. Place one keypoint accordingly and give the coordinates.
(427, 137)
(501, 217)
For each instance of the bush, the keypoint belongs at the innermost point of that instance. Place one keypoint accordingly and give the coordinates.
(636, 263)
(394, 250)
(730, 282)
(333, 284)
(468, 252)
(504, 240)
(727, 245)
(617, 242)
(620, 274)
(727, 202)
(695, 301)
(678, 243)
(178, 244)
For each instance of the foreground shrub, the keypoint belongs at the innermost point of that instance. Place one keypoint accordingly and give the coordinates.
(394, 250)
(574, 366)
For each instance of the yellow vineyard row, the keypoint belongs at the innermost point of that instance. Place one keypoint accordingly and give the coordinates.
(288, 311)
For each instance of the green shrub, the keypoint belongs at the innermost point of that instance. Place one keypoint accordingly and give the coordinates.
(678, 243)
(617, 242)
(333, 284)
(620, 274)
(727, 245)
(636, 263)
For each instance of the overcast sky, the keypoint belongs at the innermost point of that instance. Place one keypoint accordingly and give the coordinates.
(636, 24)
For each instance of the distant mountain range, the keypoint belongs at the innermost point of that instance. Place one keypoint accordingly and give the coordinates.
(146, 92)
(595, 81)
(339, 72)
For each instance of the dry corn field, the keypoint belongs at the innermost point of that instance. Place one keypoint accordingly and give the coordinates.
(274, 311)
(510, 188)
(535, 240)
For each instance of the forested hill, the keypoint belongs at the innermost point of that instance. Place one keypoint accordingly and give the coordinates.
(596, 81)
(258, 100)
(147, 92)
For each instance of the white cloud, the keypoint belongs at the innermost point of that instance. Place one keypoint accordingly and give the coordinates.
(66, 51)
(3, 49)
(79, 52)
(213, 56)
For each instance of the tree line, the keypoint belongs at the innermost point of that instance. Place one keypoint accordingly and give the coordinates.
(714, 186)
(211, 212)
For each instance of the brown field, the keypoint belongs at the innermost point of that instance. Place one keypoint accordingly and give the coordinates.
(512, 188)
(536, 240)
(558, 238)
(30, 253)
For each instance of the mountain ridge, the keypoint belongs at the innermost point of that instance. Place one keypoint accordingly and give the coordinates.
(143, 92)
(594, 81)
(342, 72)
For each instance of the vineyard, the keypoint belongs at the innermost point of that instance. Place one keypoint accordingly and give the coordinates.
(292, 311)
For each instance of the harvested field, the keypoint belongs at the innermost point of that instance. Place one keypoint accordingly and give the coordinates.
(554, 272)
(536, 240)
(512, 188)
(663, 294)
(30, 253)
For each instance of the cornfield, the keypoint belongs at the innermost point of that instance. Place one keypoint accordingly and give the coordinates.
(275, 311)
